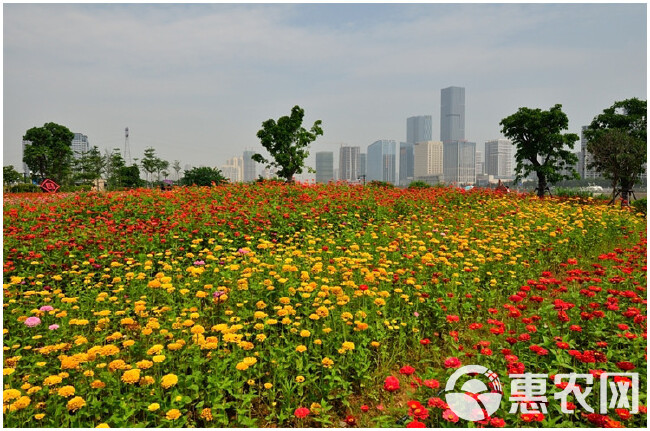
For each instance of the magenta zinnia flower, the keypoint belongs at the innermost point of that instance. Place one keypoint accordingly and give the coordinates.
(32, 321)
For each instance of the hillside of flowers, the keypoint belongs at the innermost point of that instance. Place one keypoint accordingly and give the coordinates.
(266, 305)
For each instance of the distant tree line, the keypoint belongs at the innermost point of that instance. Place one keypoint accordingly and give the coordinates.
(617, 140)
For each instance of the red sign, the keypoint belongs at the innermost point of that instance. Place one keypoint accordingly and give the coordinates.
(49, 186)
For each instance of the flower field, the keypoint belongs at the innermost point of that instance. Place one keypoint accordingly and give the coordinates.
(293, 305)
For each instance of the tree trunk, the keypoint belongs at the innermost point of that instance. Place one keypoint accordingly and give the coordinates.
(541, 184)
(626, 188)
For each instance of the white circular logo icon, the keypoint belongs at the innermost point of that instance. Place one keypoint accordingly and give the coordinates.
(475, 401)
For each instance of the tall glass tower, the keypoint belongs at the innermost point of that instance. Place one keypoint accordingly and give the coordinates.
(324, 166)
(381, 161)
(452, 114)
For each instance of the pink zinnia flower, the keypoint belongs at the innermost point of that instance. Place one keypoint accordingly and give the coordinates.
(46, 308)
(450, 416)
(32, 321)
(53, 327)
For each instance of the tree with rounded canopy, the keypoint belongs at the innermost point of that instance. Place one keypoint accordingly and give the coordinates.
(49, 154)
(541, 145)
(617, 142)
(10, 175)
(203, 176)
(287, 141)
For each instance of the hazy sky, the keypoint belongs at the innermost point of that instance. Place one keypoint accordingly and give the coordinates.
(196, 81)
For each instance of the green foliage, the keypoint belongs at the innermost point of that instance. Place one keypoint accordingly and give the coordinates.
(80, 188)
(10, 175)
(129, 176)
(287, 142)
(641, 205)
(203, 176)
(628, 115)
(377, 183)
(617, 140)
(418, 185)
(50, 154)
(541, 145)
(24, 188)
(88, 167)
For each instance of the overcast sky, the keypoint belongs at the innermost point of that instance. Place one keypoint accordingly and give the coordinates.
(196, 81)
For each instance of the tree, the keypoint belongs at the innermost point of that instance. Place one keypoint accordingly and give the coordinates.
(203, 176)
(617, 141)
(49, 154)
(129, 176)
(88, 167)
(150, 162)
(541, 145)
(10, 175)
(161, 166)
(176, 166)
(287, 142)
(113, 167)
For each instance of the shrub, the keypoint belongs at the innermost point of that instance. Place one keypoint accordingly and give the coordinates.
(419, 185)
(24, 188)
(641, 205)
(384, 184)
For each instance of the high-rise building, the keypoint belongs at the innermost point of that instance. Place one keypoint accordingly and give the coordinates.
(25, 167)
(250, 171)
(428, 159)
(459, 163)
(500, 159)
(381, 161)
(234, 169)
(349, 164)
(79, 145)
(452, 114)
(362, 164)
(585, 159)
(324, 166)
(406, 163)
(418, 129)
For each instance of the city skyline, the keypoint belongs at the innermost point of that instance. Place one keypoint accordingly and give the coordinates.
(201, 98)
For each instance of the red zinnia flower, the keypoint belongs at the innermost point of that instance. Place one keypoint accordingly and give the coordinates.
(452, 362)
(391, 384)
(407, 370)
(625, 365)
(301, 412)
(415, 424)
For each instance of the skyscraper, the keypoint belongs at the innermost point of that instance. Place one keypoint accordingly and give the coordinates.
(381, 161)
(459, 163)
(500, 158)
(586, 158)
(349, 163)
(234, 169)
(428, 159)
(406, 163)
(250, 171)
(79, 145)
(418, 129)
(324, 166)
(25, 167)
(452, 114)
(362, 164)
